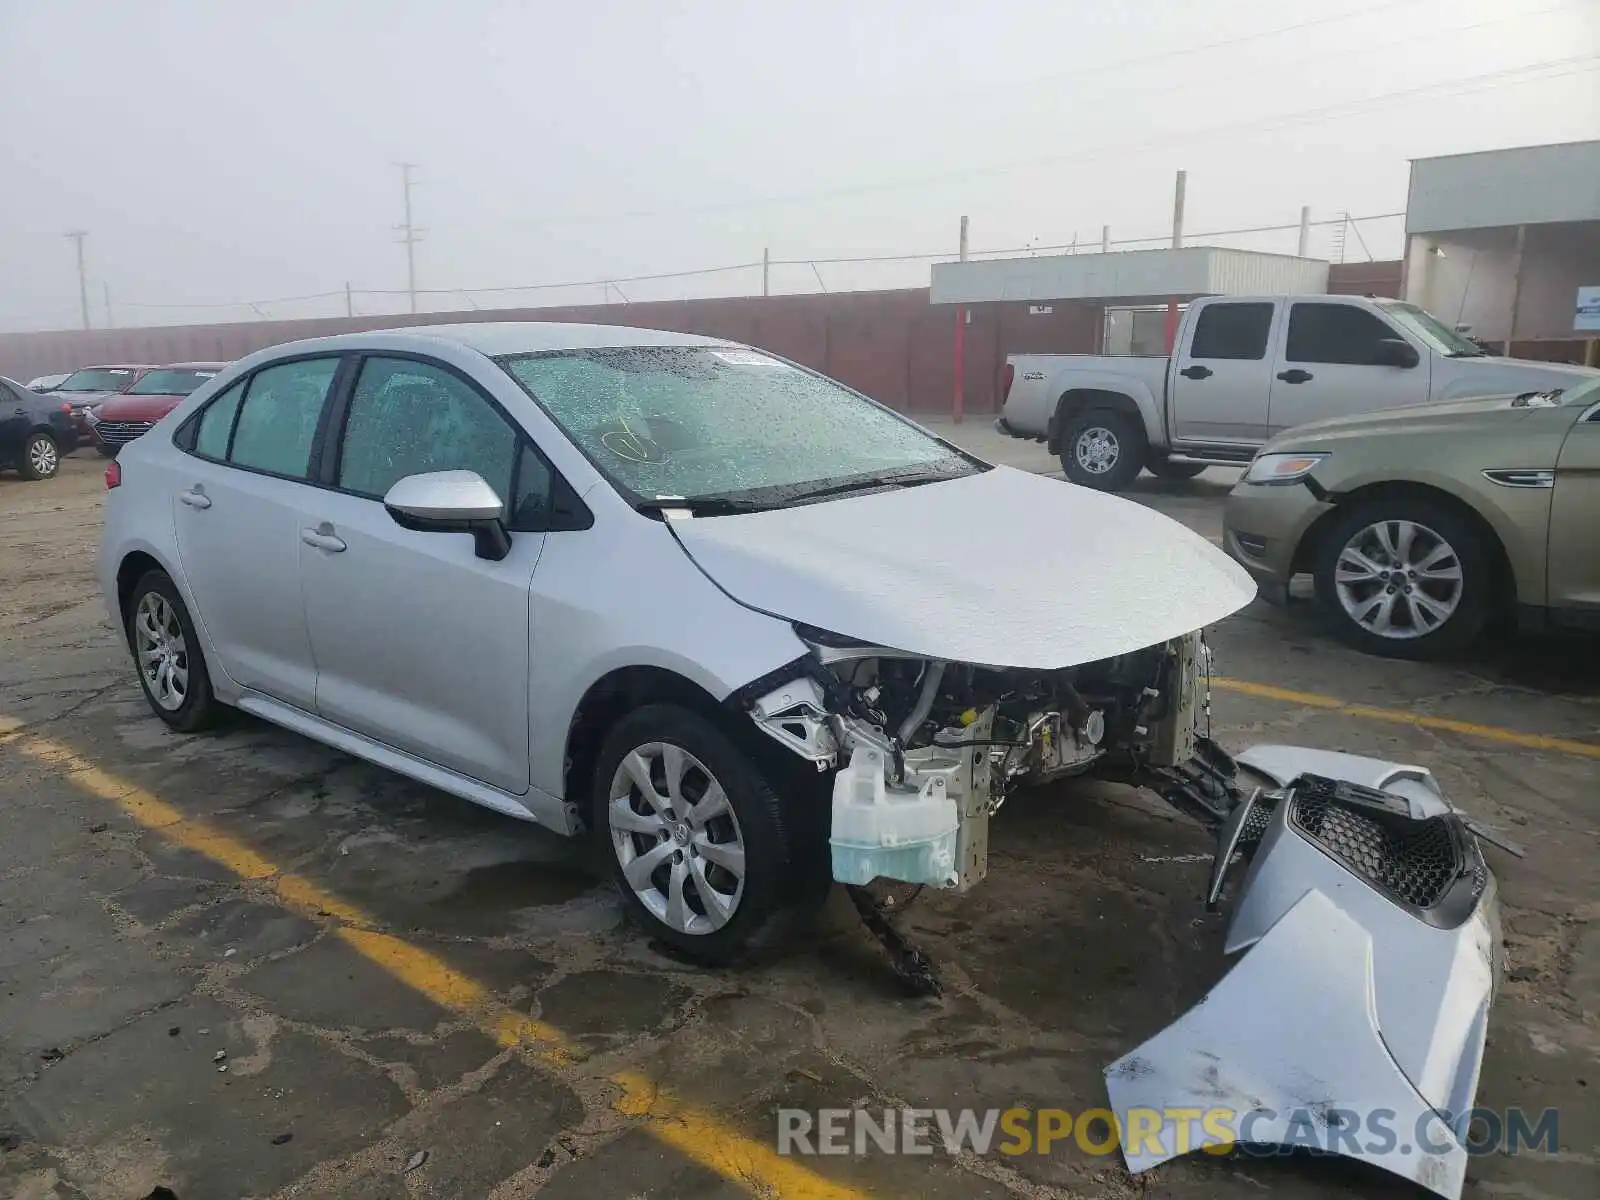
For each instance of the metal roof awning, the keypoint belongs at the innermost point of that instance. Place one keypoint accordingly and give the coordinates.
(1129, 276)
(1489, 189)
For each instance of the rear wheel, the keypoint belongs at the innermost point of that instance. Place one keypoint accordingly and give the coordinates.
(1405, 578)
(40, 458)
(166, 651)
(1103, 448)
(703, 853)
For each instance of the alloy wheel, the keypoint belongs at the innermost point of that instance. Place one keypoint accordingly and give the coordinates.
(1398, 579)
(42, 456)
(161, 650)
(1097, 449)
(677, 838)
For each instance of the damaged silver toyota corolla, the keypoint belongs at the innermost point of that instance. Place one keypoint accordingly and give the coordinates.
(748, 626)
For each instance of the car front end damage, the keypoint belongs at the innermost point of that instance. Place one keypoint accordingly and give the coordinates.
(1364, 919)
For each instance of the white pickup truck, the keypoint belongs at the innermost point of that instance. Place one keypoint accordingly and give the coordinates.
(1247, 368)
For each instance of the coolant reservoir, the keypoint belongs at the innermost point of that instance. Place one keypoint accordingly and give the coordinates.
(893, 833)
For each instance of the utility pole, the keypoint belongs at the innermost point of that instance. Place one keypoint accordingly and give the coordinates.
(766, 270)
(410, 235)
(349, 303)
(77, 235)
(110, 324)
(1178, 192)
(1305, 231)
(1105, 239)
(959, 401)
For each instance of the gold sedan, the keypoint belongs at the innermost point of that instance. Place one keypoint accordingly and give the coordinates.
(1420, 524)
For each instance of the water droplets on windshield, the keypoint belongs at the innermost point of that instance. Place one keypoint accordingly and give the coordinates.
(675, 422)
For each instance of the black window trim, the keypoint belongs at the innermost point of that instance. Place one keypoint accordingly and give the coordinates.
(188, 433)
(567, 512)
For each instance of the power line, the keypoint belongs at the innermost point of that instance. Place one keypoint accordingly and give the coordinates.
(1468, 83)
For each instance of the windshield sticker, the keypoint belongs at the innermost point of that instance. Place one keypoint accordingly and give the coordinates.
(746, 358)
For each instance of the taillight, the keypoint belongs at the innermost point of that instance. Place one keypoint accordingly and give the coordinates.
(1005, 382)
(113, 475)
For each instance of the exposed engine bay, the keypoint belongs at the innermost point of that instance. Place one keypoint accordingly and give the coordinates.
(1363, 907)
(925, 752)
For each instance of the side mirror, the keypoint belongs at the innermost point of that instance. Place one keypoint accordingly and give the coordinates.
(452, 502)
(1395, 352)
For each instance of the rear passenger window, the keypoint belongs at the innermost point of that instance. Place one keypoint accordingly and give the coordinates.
(278, 422)
(216, 423)
(1237, 331)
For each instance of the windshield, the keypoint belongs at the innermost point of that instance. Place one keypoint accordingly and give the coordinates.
(700, 422)
(174, 381)
(97, 379)
(1586, 392)
(1428, 328)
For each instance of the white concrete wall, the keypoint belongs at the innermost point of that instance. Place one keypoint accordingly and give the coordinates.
(1526, 185)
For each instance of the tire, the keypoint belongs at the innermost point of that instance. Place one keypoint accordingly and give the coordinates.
(719, 917)
(40, 457)
(1446, 560)
(1103, 448)
(1165, 468)
(156, 618)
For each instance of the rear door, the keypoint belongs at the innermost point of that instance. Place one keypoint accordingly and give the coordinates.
(1325, 367)
(420, 644)
(1574, 579)
(1220, 388)
(238, 508)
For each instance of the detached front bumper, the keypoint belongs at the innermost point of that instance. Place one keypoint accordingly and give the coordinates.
(1355, 1021)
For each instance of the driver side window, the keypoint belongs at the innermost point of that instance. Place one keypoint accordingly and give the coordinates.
(409, 418)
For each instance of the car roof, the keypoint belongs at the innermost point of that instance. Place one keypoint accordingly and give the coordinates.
(495, 338)
(194, 366)
(114, 367)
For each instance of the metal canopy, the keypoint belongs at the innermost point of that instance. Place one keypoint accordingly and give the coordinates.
(1130, 276)
(1528, 185)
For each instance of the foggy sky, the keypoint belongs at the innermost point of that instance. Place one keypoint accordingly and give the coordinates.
(220, 152)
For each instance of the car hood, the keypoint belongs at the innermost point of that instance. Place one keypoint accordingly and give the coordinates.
(1491, 374)
(1451, 415)
(123, 407)
(1003, 568)
(83, 399)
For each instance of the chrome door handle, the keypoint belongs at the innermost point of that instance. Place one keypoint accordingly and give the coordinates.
(322, 539)
(195, 498)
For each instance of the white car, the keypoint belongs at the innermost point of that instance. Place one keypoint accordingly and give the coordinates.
(759, 633)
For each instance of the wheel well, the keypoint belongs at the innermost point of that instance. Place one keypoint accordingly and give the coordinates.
(1078, 400)
(132, 569)
(1504, 581)
(608, 700)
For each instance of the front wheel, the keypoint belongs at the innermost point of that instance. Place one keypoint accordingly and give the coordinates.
(40, 458)
(703, 853)
(1405, 578)
(1103, 448)
(1165, 468)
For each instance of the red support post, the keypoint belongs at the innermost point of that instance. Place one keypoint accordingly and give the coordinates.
(958, 406)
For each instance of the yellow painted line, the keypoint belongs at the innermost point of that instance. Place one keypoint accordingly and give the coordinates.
(1399, 716)
(699, 1135)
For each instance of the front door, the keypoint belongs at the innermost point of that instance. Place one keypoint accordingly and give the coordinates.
(1220, 388)
(1575, 522)
(420, 644)
(1326, 366)
(238, 509)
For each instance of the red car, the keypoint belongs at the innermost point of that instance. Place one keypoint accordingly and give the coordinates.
(88, 386)
(118, 420)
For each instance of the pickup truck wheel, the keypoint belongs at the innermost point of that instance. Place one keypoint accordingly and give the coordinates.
(1165, 468)
(1103, 448)
(1405, 578)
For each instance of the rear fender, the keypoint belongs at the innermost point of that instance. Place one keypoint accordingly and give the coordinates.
(1079, 390)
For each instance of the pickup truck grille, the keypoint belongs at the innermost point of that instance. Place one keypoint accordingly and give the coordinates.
(118, 433)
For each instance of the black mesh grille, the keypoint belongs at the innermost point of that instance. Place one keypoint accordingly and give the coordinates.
(1414, 861)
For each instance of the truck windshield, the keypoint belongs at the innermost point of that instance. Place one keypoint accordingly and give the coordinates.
(713, 423)
(1424, 325)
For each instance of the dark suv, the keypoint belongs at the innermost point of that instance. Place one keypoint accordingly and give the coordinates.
(35, 431)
